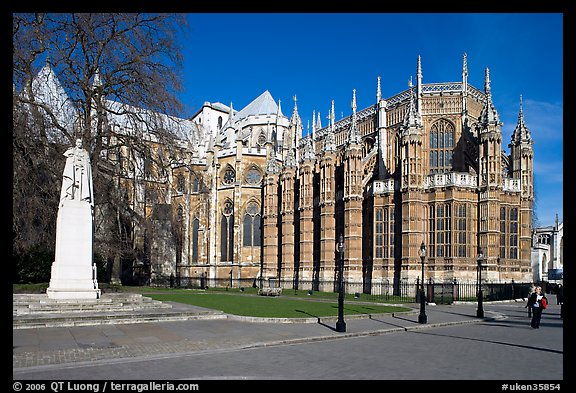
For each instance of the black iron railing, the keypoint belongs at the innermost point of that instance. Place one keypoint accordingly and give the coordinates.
(386, 292)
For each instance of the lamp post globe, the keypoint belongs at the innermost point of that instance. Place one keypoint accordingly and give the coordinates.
(422, 317)
(340, 324)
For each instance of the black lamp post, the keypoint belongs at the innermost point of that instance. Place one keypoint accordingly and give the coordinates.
(340, 324)
(479, 260)
(422, 318)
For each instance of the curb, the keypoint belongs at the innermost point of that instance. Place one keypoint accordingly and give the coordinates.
(369, 333)
(315, 319)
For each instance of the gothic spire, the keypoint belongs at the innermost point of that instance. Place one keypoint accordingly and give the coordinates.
(489, 115)
(271, 164)
(332, 117)
(295, 119)
(313, 121)
(378, 92)
(353, 135)
(419, 85)
(465, 90)
(329, 143)
(412, 120)
(230, 115)
(307, 145)
(290, 160)
(521, 133)
(465, 72)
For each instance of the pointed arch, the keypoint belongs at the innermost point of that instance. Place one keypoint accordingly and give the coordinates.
(252, 224)
(441, 145)
(227, 231)
(195, 235)
(228, 175)
(253, 175)
(196, 183)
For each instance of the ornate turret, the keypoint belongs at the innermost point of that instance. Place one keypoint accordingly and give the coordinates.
(382, 132)
(522, 155)
(490, 138)
(411, 130)
(412, 126)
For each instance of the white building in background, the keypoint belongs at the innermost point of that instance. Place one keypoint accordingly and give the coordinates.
(547, 253)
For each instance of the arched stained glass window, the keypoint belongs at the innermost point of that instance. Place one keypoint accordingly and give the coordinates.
(180, 183)
(195, 245)
(441, 146)
(251, 225)
(227, 233)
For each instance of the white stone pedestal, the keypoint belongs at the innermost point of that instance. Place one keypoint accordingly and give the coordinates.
(73, 276)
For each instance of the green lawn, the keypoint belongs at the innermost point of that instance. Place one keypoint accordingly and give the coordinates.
(271, 307)
(291, 304)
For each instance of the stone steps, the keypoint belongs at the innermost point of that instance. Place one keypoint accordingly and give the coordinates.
(39, 311)
(38, 304)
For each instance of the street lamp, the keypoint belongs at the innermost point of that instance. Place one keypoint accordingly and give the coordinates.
(422, 318)
(479, 260)
(340, 324)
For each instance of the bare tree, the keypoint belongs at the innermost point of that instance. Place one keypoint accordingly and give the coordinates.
(110, 79)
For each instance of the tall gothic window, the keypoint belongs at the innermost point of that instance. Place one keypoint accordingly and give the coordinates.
(441, 145)
(227, 233)
(389, 232)
(440, 239)
(195, 245)
(502, 232)
(514, 233)
(379, 233)
(384, 232)
(251, 226)
(431, 230)
(180, 183)
(461, 230)
(195, 184)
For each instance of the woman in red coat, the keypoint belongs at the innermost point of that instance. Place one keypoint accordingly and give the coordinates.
(537, 303)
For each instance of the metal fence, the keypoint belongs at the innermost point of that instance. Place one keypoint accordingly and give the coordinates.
(386, 292)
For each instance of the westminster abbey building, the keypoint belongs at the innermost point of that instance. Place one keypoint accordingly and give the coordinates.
(257, 198)
(423, 167)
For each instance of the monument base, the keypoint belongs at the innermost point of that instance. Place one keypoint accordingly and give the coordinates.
(72, 294)
(73, 274)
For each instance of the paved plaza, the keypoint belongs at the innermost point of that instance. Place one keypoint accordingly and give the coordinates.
(453, 345)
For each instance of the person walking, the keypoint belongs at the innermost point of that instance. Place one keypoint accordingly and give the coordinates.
(537, 302)
(532, 290)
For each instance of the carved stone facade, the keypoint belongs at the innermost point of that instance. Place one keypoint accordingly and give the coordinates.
(255, 198)
(425, 166)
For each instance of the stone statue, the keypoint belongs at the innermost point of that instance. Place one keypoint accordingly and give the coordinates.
(77, 177)
(73, 270)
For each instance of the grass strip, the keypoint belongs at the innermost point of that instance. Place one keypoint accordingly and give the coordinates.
(271, 307)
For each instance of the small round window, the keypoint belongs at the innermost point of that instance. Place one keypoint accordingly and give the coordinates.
(229, 176)
(253, 176)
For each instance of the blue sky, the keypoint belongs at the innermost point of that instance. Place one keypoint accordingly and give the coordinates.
(322, 57)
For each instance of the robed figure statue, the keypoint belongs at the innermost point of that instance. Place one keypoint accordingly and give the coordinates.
(73, 271)
(77, 177)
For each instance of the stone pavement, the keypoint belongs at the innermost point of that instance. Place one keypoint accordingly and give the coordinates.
(38, 347)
